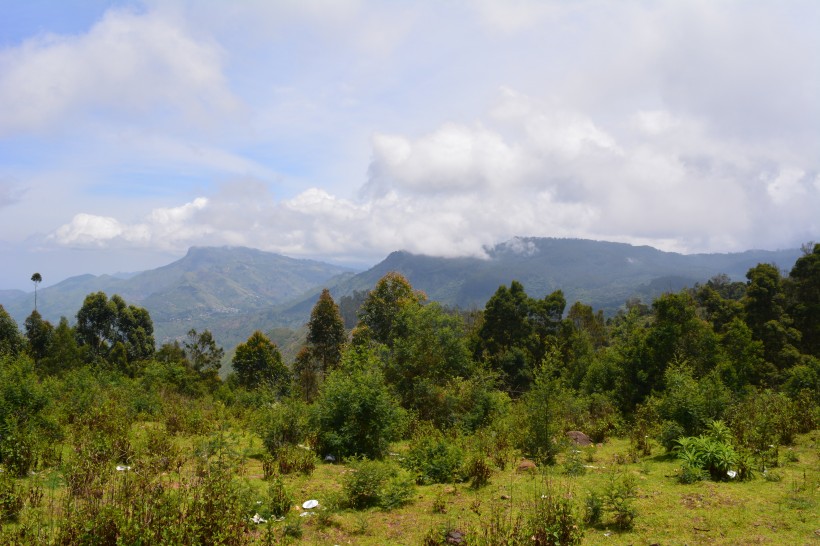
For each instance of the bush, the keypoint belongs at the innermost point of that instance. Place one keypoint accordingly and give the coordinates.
(539, 419)
(763, 419)
(478, 471)
(434, 458)
(619, 499)
(550, 519)
(279, 501)
(296, 459)
(355, 413)
(282, 424)
(11, 498)
(376, 484)
(710, 455)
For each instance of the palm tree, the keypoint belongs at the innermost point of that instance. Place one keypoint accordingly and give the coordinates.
(36, 279)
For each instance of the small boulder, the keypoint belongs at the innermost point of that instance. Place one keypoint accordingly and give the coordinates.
(579, 438)
(526, 465)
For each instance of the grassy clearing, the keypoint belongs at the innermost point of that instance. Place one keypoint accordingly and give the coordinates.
(778, 507)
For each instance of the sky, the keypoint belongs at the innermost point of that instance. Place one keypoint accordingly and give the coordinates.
(343, 130)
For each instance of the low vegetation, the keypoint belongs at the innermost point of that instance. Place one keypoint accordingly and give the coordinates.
(690, 420)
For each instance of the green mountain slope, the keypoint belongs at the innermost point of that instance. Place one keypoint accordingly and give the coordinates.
(234, 291)
(214, 288)
(601, 274)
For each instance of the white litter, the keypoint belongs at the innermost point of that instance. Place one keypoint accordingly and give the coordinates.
(731, 473)
(310, 504)
(122, 468)
(258, 519)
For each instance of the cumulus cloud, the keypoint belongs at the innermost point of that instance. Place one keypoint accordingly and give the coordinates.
(128, 64)
(360, 128)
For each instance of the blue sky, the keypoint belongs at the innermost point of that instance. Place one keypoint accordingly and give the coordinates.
(344, 130)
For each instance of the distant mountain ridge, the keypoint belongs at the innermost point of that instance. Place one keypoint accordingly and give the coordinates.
(234, 290)
(206, 286)
(598, 273)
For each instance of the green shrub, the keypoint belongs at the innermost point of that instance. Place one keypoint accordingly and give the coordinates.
(711, 455)
(593, 508)
(292, 459)
(355, 413)
(478, 471)
(619, 499)
(550, 519)
(376, 484)
(279, 500)
(283, 423)
(435, 458)
(11, 498)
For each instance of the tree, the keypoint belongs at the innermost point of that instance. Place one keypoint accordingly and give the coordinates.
(803, 289)
(428, 353)
(766, 315)
(36, 279)
(40, 334)
(64, 353)
(326, 332)
(102, 323)
(257, 363)
(383, 303)
(12, 342)
(202, 352)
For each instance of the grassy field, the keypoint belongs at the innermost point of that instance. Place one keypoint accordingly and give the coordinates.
(778, 507)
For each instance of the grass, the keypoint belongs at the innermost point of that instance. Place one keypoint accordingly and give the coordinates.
(755, 512)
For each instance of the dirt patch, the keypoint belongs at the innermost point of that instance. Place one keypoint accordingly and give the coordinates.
(695, 500)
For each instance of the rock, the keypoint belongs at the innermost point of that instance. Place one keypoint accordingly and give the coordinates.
(526, 465)
(455, 537)
(579, 438)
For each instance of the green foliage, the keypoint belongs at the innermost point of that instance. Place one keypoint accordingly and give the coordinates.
(25, 422)
(12, 341)
(384, 303)
(376, 484)
(282, 423)
(711, 454)
(202, 353)
(12, 498)
(619, 496)
(803, 292)
(355, 413)
(552, 518)
(762, 421)
(428, 352)
(478, 470)
(435, 458)
(279, 500)
(326, 332)
(115, 331)
(40, 334)
(64, 353)
(538, 418)
(258, 363)
(290, 459)
(517, 332)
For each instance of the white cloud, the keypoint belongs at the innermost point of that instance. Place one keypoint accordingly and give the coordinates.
(128, 64)
(351, 129)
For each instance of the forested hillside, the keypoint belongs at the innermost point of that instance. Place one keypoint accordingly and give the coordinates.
(106, 437)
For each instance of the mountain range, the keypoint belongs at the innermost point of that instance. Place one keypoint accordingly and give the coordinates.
(233, 291)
